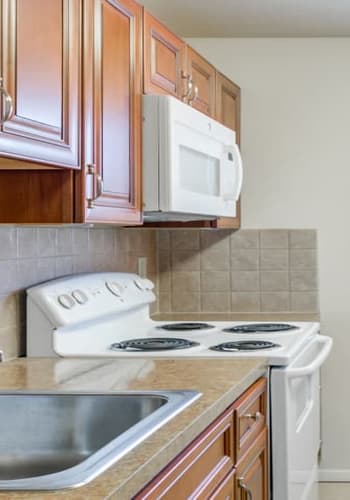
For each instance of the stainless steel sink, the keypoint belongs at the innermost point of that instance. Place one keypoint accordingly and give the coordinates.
(53, 441)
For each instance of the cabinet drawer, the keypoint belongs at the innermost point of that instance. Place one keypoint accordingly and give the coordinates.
(226, 490)
(199, 470)
(249, 416)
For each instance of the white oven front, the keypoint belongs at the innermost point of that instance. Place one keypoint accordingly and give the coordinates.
(295, 422)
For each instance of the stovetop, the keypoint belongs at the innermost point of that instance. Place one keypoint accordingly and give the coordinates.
(106, 340)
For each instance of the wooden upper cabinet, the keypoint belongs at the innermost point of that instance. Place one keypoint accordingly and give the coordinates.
(202, 76)
(40, 67)
(164, 59)
(228, 103)
(109, 187)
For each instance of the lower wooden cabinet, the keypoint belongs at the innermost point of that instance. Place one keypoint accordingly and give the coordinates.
(251, 472)
(225, 462)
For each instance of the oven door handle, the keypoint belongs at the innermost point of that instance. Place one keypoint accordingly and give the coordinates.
(316, 363)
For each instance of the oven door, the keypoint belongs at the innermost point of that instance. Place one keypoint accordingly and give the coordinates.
(295, 422)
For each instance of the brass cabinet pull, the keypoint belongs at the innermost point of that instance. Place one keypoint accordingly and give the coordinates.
(8, 103)
(189, 86)
(94, 194)
(245, 488)
(194, 95)
(253, 416)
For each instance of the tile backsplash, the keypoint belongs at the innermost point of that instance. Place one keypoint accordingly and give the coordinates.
(211, 271)
(244, 271)
(29, 255)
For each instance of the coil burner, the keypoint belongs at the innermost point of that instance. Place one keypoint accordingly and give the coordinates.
(153, 344)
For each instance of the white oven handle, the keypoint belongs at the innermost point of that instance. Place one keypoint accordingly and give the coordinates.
(237, 162)
(316, 363)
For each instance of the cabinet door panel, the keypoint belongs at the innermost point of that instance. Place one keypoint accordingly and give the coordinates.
(252, 471)
(164, 59)
(41, 72)
(112, 139)
(203, 76)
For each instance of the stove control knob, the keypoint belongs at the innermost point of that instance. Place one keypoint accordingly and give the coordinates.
(139, 285)
(147, 284)
(80, 296)
(66, 301)
(115, 288)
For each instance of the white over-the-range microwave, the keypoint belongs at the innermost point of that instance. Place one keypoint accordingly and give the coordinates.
(192, 167)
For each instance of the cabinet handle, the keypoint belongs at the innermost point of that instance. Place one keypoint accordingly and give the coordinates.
(91, 170)
(189, 86)
(245, 488)
(253, 416)
(8, 103)
(194, 96)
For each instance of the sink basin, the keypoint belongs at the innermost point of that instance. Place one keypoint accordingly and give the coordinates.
(60, 440)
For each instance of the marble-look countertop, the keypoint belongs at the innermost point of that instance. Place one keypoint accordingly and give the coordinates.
(220, 382)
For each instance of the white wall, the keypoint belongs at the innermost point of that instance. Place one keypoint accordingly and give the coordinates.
(296, 150)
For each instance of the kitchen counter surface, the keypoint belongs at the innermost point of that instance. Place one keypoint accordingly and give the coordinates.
(219, 381)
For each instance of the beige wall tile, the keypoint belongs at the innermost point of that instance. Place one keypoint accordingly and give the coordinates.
(216, 240)
(64, 266)
(304, 280)
(215, 302)
(245, 259)
(212, 260)
(274, 281)
(8, 242)
(303, 238)
(46, 242)
(96, 241)
(164, 261)
(163, 239)
(64, 243)
(185, 260)
(273, 259)
(184, 240)
(304, 302)
(275, 301)
(109, 241)
(185, 281)
(27, 273)
(81, 264)
(303, 259)
(215, 281)
(274, 238)
(245, 238)
(165, 302)
(46, 268)
(8, 310)
(27, 242)
(185, 302)
(80, 241)
(164, 282)
(121, 241)
(245, 301)
(8, 281)
(245, 281)
(11, 342)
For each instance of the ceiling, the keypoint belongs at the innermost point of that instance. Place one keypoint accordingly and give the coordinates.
(253, 18)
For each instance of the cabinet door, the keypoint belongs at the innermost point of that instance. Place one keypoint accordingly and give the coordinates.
(40, 67)
(228, 109)
(164, 59)
(226, 490)
(251, 474)
(109, 189)
(203, 80)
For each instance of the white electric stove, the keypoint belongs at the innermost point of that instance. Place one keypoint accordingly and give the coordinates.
(107, 315)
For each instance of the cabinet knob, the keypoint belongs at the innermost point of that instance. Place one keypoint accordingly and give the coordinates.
(95, 189)
(8, 103)
(188, 86)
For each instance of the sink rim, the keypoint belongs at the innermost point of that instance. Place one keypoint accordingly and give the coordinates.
(106, 456)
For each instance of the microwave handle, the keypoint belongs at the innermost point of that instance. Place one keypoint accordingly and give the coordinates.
(234, 150)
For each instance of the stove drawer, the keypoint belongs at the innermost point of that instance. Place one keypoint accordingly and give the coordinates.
(249, 416)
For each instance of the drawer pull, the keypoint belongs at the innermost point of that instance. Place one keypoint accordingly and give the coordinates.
(245, 488)
(253, 416)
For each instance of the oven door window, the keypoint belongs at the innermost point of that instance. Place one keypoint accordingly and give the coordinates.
(198, 172)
